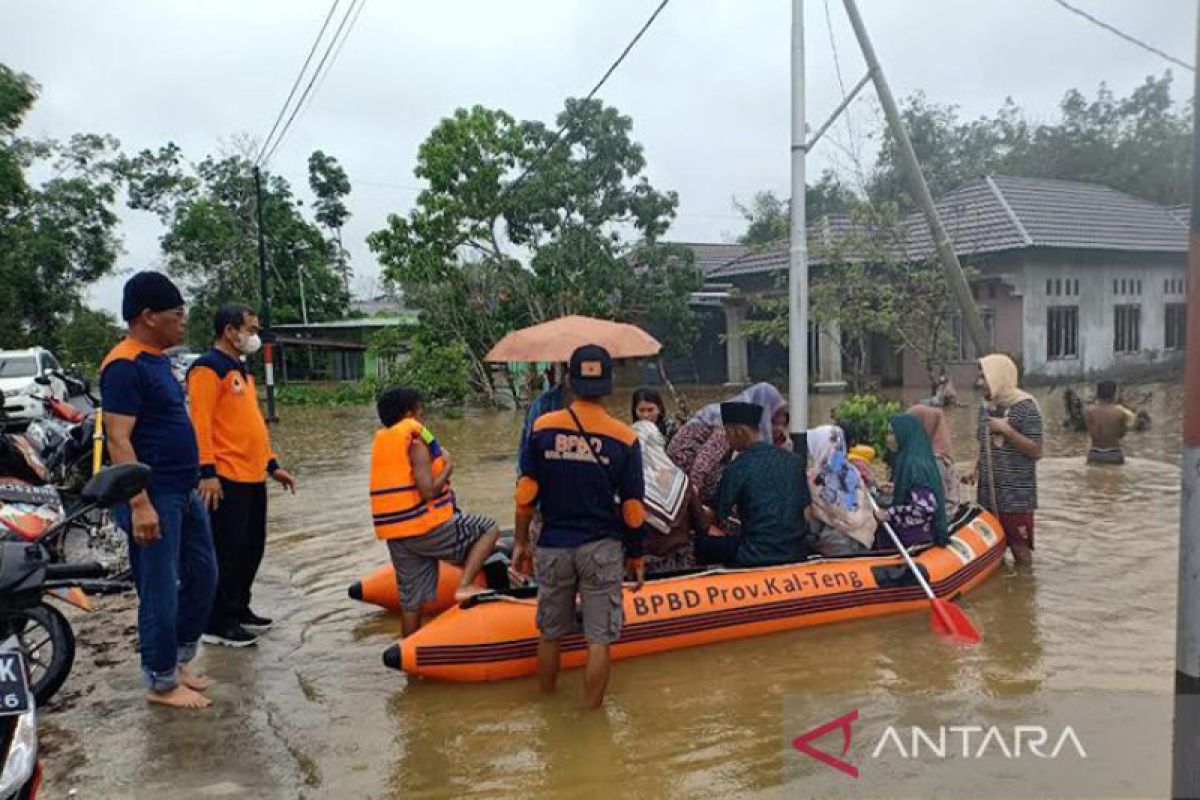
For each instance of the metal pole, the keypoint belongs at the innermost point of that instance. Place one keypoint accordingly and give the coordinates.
(1185, 774)
(798, 253)
(955, 278)
(265, 314)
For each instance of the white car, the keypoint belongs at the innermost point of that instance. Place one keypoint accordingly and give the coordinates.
(19, 370)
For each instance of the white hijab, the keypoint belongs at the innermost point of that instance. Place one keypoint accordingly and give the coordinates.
(666, 484)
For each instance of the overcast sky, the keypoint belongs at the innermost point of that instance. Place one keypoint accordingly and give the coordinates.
(707, 87)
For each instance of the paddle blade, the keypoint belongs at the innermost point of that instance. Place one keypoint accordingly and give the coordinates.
(951, 621)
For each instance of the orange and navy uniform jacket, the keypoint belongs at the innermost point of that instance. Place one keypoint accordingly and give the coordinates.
(136, 380)
(581, 503)
(397, 509)
(230, 430)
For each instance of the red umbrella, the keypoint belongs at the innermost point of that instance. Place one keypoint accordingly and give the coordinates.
(557, 339)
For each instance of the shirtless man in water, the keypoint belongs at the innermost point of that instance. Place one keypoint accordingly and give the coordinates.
(171, 549)
(1107, 424)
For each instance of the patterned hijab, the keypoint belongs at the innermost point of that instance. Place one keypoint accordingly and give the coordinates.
(915, 465)
(838, 480)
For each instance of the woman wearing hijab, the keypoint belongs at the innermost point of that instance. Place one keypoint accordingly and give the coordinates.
(918, 510)
(938, 430)
(1010, 444)
(841, 521)
(673, 512)
(700, 448)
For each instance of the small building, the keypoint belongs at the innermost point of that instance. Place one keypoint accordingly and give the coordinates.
(1073, 279)
(334, 351)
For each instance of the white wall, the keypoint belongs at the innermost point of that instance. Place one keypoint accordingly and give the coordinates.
(1096, 273)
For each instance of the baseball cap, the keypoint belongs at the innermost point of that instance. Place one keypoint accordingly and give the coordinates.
(591, 371)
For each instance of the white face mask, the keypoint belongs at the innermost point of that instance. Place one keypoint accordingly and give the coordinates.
(250, 344)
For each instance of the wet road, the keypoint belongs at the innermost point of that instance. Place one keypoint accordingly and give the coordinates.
(312, 712)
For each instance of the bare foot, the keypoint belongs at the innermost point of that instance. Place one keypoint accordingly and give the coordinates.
(179, 697)
(465, 592)
(193, 680)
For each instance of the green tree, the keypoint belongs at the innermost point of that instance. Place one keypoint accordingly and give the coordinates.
(330, 184)
(56, 237)
(210, 242)
(1139, 144)
(86, 336)
(768, 217)
(518, 226)
(861, 283)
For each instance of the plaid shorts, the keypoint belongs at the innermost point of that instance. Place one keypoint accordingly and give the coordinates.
(416, 558)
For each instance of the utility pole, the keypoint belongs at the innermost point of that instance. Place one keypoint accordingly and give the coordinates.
(798, 251)
(265, 315)
(955, 278)
(1185, 774)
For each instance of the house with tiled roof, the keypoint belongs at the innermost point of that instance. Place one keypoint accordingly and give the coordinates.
(1075, 280)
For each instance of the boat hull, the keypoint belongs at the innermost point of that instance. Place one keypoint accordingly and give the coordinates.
(496, 639)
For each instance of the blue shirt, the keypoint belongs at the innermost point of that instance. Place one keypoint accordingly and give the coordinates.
(136, 380)
(582, 501)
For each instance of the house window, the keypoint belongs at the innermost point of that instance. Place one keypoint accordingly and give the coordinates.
(1062, 332)
(1076, 292)
(1175, 335)
(964, 348)
(1127, 329)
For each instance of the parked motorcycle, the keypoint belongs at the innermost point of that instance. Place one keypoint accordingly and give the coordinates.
(29, 578)
(21, 776)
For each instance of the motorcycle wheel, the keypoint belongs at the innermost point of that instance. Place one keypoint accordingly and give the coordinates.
(48, 644)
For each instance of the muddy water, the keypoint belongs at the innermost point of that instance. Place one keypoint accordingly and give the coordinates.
(312, 711)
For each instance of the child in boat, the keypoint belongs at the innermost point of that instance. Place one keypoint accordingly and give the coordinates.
(414, 510)
(841, 522)
(918, 510)
(765, 487)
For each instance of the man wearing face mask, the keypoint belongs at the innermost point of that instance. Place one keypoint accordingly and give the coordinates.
(235, 461)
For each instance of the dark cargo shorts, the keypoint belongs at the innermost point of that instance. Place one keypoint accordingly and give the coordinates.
(415, 558)
(594, 570)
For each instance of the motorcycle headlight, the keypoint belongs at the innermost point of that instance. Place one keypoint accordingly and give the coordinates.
(22, 755)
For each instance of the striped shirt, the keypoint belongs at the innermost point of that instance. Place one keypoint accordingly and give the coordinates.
(1016, 473)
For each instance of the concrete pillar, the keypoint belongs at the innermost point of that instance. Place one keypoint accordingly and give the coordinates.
(737, 353)
(829, 344)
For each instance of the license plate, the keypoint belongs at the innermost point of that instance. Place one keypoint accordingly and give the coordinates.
(14, 685)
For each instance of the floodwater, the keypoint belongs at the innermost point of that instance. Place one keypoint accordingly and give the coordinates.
(312, 711)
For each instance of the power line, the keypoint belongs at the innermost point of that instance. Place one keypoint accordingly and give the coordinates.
(299, 77)
(600, 83)
(312, 80)
(338, 50)
(1127, 37)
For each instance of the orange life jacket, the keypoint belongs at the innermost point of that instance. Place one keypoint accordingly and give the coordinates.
(396, 506)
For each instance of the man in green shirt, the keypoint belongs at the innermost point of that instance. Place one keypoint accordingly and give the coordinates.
(765, 490)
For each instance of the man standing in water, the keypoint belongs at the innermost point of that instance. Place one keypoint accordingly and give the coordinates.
(1107, 424)
(1010, 445)
(583, 470)
(235, 460)
(171, 549)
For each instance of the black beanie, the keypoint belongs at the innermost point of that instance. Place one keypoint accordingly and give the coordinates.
(149, 291)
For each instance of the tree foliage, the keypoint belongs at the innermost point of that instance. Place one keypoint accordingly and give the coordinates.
(1139, 144)
(331, 186)
(768, 217)
(56, 237)
(210, 243)
(518, 226)
(861, 283)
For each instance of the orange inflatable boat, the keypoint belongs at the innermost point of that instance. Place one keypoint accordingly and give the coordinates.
(493, 636)
(379, 588)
